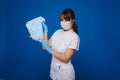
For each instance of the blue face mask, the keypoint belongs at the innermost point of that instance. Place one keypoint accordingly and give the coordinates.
(65, 25)
(35, 28)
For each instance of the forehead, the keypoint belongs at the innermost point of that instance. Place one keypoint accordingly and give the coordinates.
(65, 17)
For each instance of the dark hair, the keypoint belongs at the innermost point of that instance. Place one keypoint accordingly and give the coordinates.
(69, 14)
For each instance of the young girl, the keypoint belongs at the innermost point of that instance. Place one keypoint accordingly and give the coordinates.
(62, 45)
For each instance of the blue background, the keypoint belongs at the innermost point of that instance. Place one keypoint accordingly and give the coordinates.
(22, 58)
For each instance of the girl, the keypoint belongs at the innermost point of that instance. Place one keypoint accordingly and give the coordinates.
(62, 45)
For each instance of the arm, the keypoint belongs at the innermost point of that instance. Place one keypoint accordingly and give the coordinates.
(65, 57)
(45, 35)
(45, 31)
(50, 42)
(45, 38)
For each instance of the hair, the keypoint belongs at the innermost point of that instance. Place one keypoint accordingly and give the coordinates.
(69, 14)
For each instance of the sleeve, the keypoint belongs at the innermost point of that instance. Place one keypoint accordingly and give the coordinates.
(54, 34)
(74, 44)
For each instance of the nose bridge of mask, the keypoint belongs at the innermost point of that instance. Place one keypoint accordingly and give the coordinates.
(65, 22)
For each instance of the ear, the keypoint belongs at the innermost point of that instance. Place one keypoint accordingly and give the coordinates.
(72, 20)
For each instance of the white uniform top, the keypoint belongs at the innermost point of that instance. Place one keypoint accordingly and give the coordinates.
(61, 40)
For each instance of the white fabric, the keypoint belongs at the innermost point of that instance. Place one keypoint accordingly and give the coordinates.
(65, 25)
(35, 29)
(61, 40)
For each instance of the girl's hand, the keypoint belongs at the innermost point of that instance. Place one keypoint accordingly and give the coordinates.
(47, 46)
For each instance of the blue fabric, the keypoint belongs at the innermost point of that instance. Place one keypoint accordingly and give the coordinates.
(47, 47)
(35, 28)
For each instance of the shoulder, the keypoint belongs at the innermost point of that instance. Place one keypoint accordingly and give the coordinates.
(58, 31)
(74, 35)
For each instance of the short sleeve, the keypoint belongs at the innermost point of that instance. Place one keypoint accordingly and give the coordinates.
(74, 44)
(54, 34)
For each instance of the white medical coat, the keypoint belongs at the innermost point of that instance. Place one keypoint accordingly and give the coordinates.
(61, 40)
